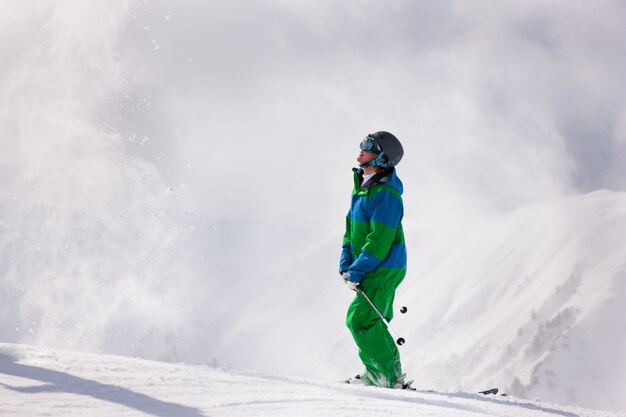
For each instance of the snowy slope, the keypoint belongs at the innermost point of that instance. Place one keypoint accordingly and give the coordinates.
(43, 382)
(529, 301)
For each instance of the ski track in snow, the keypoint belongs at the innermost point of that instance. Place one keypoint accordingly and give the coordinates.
(44, 382)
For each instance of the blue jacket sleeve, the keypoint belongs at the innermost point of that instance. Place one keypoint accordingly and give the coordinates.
(346, 258)
(387, 211)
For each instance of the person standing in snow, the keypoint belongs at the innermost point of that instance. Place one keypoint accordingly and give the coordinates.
(373, 257)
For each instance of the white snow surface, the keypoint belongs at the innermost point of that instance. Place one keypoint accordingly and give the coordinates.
(41, 382)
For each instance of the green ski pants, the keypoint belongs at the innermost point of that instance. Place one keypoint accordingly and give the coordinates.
(377, 349)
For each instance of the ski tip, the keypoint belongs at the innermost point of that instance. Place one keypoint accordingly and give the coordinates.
(492, 391)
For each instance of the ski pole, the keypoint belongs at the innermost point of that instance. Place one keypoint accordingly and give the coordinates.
(399, 340)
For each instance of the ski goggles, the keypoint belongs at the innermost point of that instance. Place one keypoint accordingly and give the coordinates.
(369, 145)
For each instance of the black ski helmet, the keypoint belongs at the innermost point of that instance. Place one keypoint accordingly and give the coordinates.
(390, 150)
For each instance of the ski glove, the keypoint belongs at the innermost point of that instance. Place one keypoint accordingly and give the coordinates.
(354, 286)
(351, 284)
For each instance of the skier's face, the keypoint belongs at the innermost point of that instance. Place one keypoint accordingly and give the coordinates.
(365, 157)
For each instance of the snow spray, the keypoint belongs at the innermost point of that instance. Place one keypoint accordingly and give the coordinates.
(87, 248)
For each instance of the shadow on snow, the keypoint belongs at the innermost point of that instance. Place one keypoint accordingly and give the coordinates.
(56, 381)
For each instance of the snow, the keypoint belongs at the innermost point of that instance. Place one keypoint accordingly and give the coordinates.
(157, 200)
(41, 382)
(529, 301)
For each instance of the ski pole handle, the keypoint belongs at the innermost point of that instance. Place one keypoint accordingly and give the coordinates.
(399, 340)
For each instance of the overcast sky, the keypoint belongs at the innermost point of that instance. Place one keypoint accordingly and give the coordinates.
(253, 110)
(258, 107)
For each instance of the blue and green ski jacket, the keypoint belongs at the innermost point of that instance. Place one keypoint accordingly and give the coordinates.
(374, 252)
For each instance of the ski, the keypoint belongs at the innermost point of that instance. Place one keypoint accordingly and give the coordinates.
(399, 385)
(492, 391)
(408, 386)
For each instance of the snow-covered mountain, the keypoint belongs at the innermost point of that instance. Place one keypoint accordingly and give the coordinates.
(41, 382)
(529, 301)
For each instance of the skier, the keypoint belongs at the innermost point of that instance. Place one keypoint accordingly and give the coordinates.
(373, 257)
